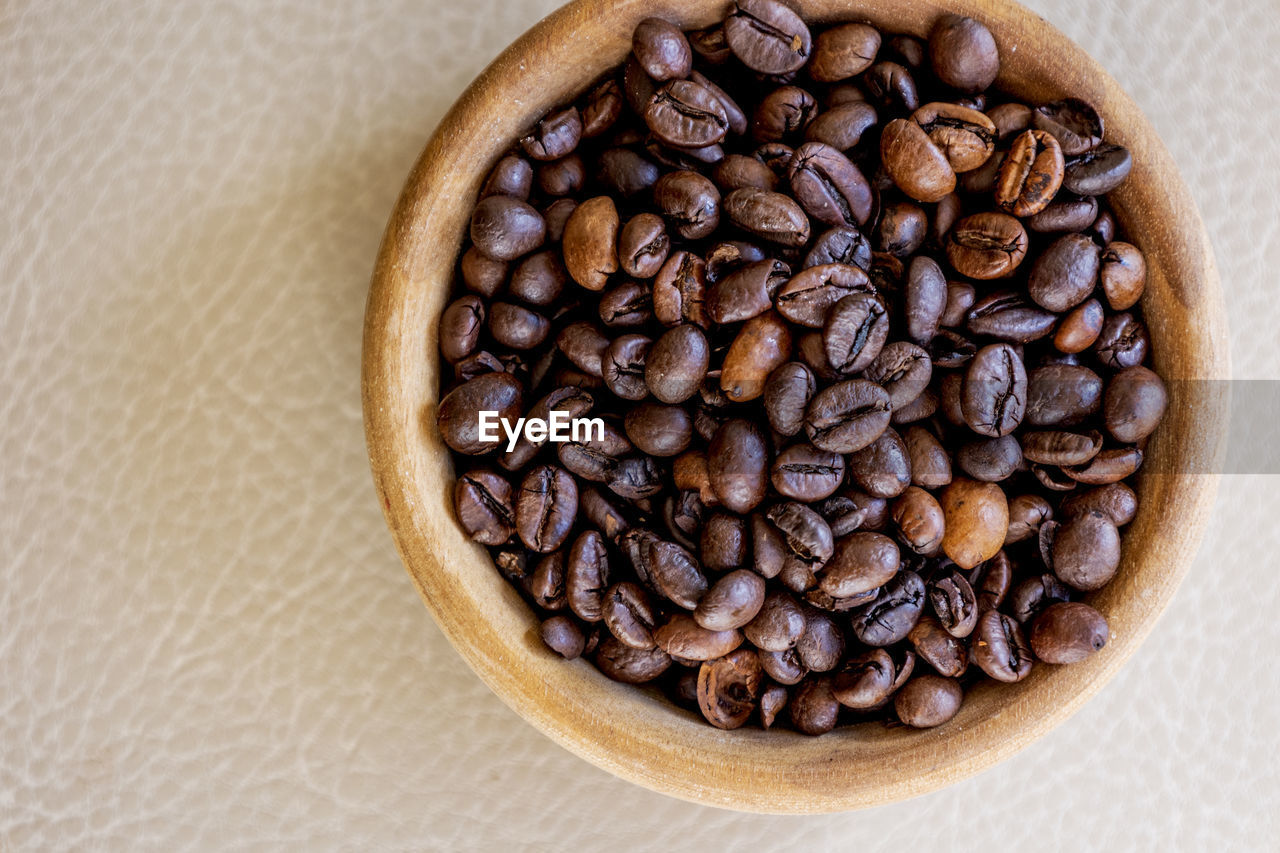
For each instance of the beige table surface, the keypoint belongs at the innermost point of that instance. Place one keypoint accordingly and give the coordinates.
(206, 638)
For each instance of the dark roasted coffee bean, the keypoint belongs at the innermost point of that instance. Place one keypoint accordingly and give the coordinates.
(562, 177)
(556, 215)
(806, 541)
(960, 298)
(546, 508)
(723, 542)
(927, 701)
(539, 279)
(1031, 174)
(822, 644)
(460, 327)
(1098, 171)
(1084, 549)
(1062, 395)
(787, 392)
(659, 430)
(1080, 329)
(623, 366)
(1072, 214)
(1000, 648)
(677, 363)
(1073, 122)
(643, 245)
(963, 53)
(1135, 402)
(517, 327)
(675, 573)
(732, 602)
(828, 186)
(810, 294)
(868, 680)
(939, 648)
(843, 51)
(986, 245)
(847, 416)
(902, 229)
(994, 395)
(628, 615)
(482, 501)
(773, 698)
(855, 331)
(1123, 275)
(627, 305)
(686, 115)
(747, 292)
(1060, 447)
(546, 585)
(563, 636)
(919, 521)
(955, 604)
(769, 215)
(555, 136)
(917, 166)
(1033, 595)
(1116, 501)
(965, 136)
(1065, 274)
(977, 518)
(728, 688)
(990, 460)
(783, 667)
(1026, 514)
(843, 244)
(710, 44)
(924, 298)
(903, 369)
(584, 345)
(626, 172)
(634, 477)
(690, 201)
(893, 613)
(679, 291)
(661, 49)
(630, 665)
(783, 114)
(842, 126)
(883, 467)
(459, 414)
(919, 409)
(603, 108)
(481, 273)
(930, 462)
(504, 228)
(767, 36)
(1068, 632)
(1008, 316)
(574, 402)
(805, 473)
(814, 709)
(891, 87)
(1123, 342)
(779, 624)
(738, 170)
(590, 242)
(511, 176)
(738, 463)
(1010, 119)
(587, 576)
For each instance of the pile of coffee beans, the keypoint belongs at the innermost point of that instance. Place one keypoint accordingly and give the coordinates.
(866, 347)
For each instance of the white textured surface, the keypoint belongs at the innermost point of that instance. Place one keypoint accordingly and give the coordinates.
(206, 639)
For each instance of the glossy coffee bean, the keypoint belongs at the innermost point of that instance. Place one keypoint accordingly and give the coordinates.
(861, 562)
(1068, 632)
(643, 245)
(994, 394)
(990, 460)
(504, 228)
(1123, 275)
(1123, 342)
(1065, 214)
(963, 53)
(1116, 501)
(1008, 315)
(977, 518)
(869, 679)
(965, 136)
(924, 298)
(1075, 124)
(661, 49)
(769, 215)
(1000, 648)
(882, 468)
(930, 462)
(986, 245)
(927, 701)
(917, 166)
(894, 612)
(747, 292)
(847, 416)
(955, 603)
(1065, 274)
(802, 472)
(902, 229)
(732, 602)
(1031, 174)
(787, 392)
(458, 417)
(937, 647)
(814, 709)
(842, 125)
(738, 463)
(919, 520)
(555, 136)
(762, 345)
(546, 508)
(483, 504)
(728, 688)
(681, 637)
(783, 114)
(1079, 329)
(855, 331)
(767, 36)
(843, 244)
(1084, 549)
(658, 429)
(779, 624)
(1097, 171)
(677, 363)
(829, 186)
(843, 51)
(809, 296)
(630, 665)
(903, 370)
(627, 613)
(1033, 595)
(690, 202)
(1026, 514)
(1062, 395)
(590, 242)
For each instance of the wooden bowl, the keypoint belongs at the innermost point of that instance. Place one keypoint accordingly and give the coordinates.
(645, 739)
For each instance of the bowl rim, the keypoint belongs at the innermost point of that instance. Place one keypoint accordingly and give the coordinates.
(767, 772)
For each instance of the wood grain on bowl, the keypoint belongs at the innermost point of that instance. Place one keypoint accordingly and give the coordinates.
(645, 739)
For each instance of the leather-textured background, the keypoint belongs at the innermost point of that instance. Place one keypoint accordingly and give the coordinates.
(206, 638)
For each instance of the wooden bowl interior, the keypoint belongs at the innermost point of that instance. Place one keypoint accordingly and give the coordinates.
(630, 732)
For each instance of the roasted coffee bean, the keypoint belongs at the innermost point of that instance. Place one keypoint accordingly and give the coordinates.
(955, 604)
(767, 36)
(806, 542)
(1068, 632)
(1135, 402)
(732, 602)
(773, 698)
(1103, 228)
(1073, 122)
(986, 245)
(1071, 214)
(787, 392)
(1109, 466)
(679, 291)
(1008, 316)
(982, 180)
(883, 467)
(626, 172)
(747, 292)
(556, 214)
(690, 201)
(1010, 119)
(847, 416)
(1031, 174)
(1115, 501)
(555, 136)
(724, 542)
(1000, 648)
(903, 369)
(628, 305)
(977, 518)
(963, 53)
(737, 171)
(459, 413)
(591, 242)
(965, 136)
(1123, 275)
(922, 407)
(783, 115)
(779, 624)
(504, 228)
(516, 327)
(481, 273)
(482, 501)
(842, 126)
(1080, 328)
(843, 244)
(659, 430)
(861, 562)
(1060, 447)
(677, 363)
(1066, 273)
(738, 463)
(939, 648)
(643, 245)
(628, 615)
(1097, 171)
(814, 709)
(868, 680)
(546, 584)
(828, 186)
(805, 473)
(574, 402)
(1123, 342)
(990, 460)
(587, 576)
(562, 177)
(539, 279)
(512, 176)
(919, 521)
(710, 44)
(930, 462)
(925, 299)
(927, 701)
(894, 612)
(1084, 549)
(728, 688)
(1026, 514)
(1033, 595)
(960, 298)
(917, 166)
(822, 645)
(661, 49)
(460, 327)
(891, 87)
(902, 229)
(623, 366)
(584, 345)
(595, 457)
(761, 346)
(994, 395)
(855, 332)
(675, 573)
(563, 636)
(843, 52)
(808, 297)
(769, 215)
(783, 667)
(546, 508)
(630, 665)
(1062, 395)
